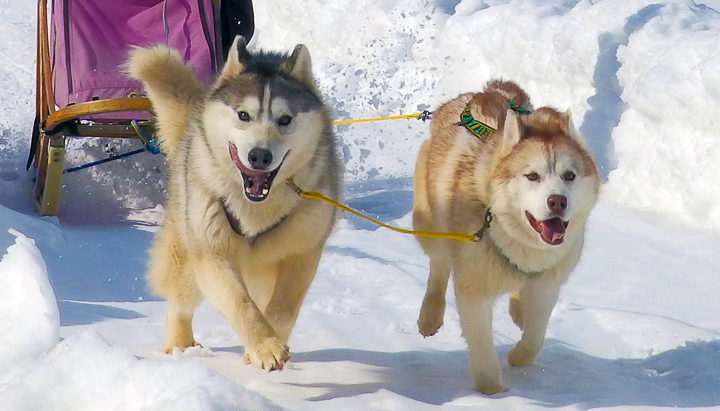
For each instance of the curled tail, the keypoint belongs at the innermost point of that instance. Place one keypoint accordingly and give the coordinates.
(511, 92)
(171, 86)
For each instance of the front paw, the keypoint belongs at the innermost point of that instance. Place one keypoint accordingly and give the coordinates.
(489, 387)
(271, 354)
(521, 356)
(431, 317)
(487, 377)
(181, 345)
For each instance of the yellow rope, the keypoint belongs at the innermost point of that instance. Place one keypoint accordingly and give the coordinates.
(313, 195)
(365, 120)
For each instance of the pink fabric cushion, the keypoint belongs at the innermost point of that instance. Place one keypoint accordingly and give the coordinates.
(90, 40)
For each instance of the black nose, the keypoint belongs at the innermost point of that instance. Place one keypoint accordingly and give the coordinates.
(260, 158)
(557, 203)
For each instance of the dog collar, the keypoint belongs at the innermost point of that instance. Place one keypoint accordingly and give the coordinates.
(235, 224)
(480, 234)
(528, 274)
(486, 224)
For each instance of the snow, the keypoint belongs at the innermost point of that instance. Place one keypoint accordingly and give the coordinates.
(640, 79)
(636, 327)
(29, 318)
(673, 102)
(85, 373)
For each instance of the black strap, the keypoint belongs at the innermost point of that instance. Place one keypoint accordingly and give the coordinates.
(34, 140)
(237, 18)
(235, 225)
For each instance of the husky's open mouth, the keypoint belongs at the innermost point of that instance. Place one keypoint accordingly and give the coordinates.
(256, 183)
(552, 230)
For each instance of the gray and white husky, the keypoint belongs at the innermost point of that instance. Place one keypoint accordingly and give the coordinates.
(235, 232)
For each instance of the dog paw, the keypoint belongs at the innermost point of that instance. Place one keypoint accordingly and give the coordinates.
(489, 387)
(519, 356)
(431, 318)
(169, 348)
(269, 355)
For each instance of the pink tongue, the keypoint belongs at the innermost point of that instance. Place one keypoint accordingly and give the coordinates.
(553, 230)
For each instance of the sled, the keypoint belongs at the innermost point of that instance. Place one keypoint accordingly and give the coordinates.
(80, 88)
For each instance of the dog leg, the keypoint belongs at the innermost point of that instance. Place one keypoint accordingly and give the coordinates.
(294, 277)
(168, 276)
(226, 291)
(433, 305)
(476, 322)
(516, 310)
(178, 327)
(536, 301)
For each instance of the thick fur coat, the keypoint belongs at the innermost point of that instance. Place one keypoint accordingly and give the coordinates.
(539, 182)
(235, 232)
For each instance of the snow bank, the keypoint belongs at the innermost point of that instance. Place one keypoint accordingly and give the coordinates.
(85, 373)
(667, 141)
(633, 75)
(392, 57)
(29, 318)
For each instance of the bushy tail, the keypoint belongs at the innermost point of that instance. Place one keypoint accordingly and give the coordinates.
(171, 86)
(511, 91)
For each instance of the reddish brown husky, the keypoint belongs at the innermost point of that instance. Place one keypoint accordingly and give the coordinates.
(491, 157)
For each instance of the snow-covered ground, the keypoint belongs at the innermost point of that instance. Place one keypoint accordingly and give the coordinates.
(637, 326)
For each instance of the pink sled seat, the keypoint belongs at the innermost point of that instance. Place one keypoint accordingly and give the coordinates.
(90, 41)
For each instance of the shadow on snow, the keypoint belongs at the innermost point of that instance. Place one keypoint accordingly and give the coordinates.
(606, 106)
(683, 377)
(81, 313)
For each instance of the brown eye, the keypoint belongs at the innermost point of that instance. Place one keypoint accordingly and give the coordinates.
(533, 176)
(244, 116)
(284, 120)
(569, 176)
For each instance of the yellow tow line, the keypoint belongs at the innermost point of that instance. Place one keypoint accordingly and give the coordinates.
(314, 195)
(424, 115)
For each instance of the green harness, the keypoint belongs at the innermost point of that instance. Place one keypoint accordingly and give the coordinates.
(480, 129)
(518, 109)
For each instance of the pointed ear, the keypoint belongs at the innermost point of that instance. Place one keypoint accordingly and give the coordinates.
(511, 133)
(570, 129)
(237, 59)
(299, 66)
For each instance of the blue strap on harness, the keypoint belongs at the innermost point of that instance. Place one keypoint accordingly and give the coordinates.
(151, 145)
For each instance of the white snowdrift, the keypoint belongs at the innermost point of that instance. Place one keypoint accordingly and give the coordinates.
(85, 373)
(640, 78)
(29, 318)
(667, 142)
